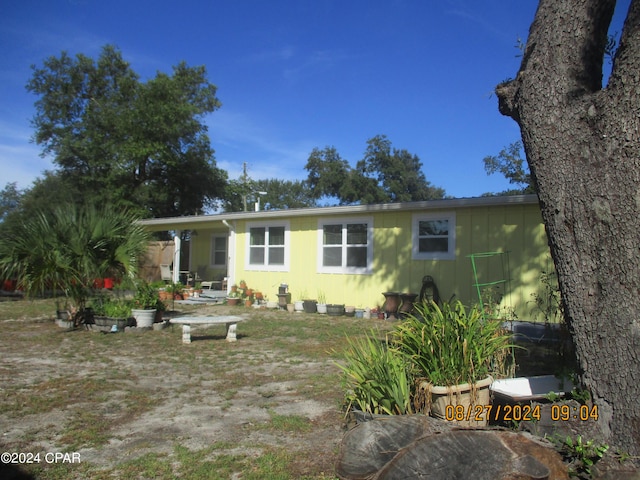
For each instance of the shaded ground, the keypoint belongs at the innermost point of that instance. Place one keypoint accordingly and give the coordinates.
(268, 403)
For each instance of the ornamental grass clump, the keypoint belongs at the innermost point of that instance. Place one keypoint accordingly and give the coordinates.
(375, 378)
(448, 345)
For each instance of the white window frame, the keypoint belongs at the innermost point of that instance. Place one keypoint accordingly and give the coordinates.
(450, 254)
(343, 269)
(212, 252)
(287, 247)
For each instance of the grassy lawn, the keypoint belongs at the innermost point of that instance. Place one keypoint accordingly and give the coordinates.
(144, 405)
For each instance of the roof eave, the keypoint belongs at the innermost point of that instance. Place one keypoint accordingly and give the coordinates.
(188, 221)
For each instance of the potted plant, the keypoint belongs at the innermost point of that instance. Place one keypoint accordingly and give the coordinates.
(271, 304)
(335, 310)
(111, 313)
(187, 293)
(321, 307)
(299, 304)
(64, 315)
(233, 298)
(145, 305)
(175, 290)
(452, 353)
(310, 306)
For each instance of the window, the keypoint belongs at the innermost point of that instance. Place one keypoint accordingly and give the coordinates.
(434, 237)
(218, 251)
(345, 246)
(267, 247)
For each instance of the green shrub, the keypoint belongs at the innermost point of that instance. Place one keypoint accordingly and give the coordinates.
(375, 377)
(146, 297)
(106, 306)
(449, 346)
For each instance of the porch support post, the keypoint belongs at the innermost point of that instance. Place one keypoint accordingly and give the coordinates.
(177, 245)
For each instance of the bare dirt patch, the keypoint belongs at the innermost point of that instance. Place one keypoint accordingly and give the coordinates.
(119, 398)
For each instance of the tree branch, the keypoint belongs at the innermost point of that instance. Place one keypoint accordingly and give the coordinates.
(563, 56)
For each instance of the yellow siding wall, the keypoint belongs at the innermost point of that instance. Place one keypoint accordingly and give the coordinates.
(516, 228)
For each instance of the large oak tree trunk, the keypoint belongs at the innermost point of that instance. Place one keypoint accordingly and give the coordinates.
(583, 147)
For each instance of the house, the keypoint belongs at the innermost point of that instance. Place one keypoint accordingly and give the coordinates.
(352, 254)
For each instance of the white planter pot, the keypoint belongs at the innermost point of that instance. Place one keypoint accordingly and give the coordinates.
(64, 323)
(144, 318)
(298, 306)
(322, 308)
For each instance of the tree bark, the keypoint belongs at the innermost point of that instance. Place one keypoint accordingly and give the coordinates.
(582, 143)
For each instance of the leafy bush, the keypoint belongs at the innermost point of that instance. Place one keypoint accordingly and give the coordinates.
(106, 306)
(146, 297)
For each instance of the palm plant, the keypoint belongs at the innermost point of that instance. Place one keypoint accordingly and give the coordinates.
(69, 248)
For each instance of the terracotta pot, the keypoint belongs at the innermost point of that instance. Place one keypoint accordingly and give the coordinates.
(391, 304)
(407, 303)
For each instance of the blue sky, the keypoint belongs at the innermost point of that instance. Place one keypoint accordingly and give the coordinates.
(293, 75)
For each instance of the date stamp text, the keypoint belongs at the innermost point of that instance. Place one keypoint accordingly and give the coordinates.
(519, 413)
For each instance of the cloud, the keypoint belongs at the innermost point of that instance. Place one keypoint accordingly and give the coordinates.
(485, 21)
(237, 139)
(282, 54)
(320, 60)
(21, 164)
(295, 63)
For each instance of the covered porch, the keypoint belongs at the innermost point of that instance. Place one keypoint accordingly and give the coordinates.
(200, 253)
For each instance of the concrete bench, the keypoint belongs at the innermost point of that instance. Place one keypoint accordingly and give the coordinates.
(230, 321)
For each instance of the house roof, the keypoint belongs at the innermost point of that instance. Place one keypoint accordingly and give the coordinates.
(447, 203)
